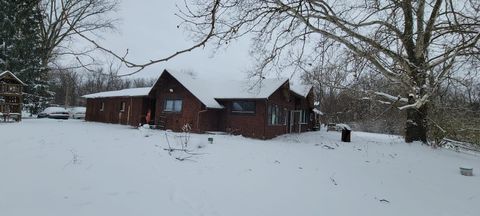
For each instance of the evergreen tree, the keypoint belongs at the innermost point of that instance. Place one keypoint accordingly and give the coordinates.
(21, 54)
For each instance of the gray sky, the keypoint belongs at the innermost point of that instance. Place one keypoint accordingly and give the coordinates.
(149, 30)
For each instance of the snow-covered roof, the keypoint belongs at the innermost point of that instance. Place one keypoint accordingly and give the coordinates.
(131, 92)
(201, 89)
(301, 90)
(317, 111)
(13, 75)
(208, 91)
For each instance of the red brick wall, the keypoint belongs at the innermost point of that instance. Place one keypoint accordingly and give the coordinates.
(256, 125)
(282, 98)
(194, 112)
(209, 120)
(249, 125)
(169, 88)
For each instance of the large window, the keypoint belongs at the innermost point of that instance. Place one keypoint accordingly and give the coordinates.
(173, 105)
(243, 107)
(304, 117)
(277, 115)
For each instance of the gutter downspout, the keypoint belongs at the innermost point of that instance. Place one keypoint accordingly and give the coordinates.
(129, 113)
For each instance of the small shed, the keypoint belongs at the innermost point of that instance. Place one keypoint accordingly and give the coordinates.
(126, 106)
(11, 96)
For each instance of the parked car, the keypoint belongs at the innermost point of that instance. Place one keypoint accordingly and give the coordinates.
(78, 112)
(55, 113)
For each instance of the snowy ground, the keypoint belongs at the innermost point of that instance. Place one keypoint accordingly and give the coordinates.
(55, 167)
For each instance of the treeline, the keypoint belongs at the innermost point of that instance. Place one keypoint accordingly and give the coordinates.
(454, 114)
(36, 36)
(68, 86)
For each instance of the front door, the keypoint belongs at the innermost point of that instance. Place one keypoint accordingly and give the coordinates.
(149, 110)
(295, 121)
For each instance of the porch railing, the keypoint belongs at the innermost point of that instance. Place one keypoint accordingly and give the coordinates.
(10, 88)
(10, 108)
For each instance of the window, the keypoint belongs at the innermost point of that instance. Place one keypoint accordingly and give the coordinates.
(122, 106)
(11, 99)
(12, 88)
(304, 116)
(173, 105)
(243, 107)
(276, 115)
(102, 106)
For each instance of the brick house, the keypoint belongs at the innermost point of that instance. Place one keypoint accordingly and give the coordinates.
(263, 109)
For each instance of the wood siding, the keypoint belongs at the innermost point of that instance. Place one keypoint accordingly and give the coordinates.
(11, 97)
(134, 113)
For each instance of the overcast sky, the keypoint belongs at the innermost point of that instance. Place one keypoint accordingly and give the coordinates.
(148, 28)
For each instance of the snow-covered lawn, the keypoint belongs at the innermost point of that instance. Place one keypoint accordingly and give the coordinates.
(55, 167)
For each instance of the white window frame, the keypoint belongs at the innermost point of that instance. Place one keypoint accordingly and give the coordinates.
(303, 117)
(177, 105)
(276, 114)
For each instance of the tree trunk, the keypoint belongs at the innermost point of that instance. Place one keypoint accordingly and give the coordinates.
(416, 126)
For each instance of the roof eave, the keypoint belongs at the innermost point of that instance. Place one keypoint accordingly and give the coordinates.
(260, 98)
(183, 85)
(126, 96)
(15, 77)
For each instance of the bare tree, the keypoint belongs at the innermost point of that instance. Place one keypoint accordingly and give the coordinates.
(208, 24)
(65, 84)
(415, 44)
(63, 19)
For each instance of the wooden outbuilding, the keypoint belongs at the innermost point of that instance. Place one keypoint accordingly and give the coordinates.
(11, 96)
(262, 109)
(127, 106)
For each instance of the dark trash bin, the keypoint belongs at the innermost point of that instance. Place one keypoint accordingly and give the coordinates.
(346, 132)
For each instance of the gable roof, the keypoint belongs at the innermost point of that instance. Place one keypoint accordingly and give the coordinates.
(131, 92)
(13, 75)
(300, 89)
(208, 91)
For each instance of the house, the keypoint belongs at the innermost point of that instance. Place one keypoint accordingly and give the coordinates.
(262, 109)
(11, 96)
